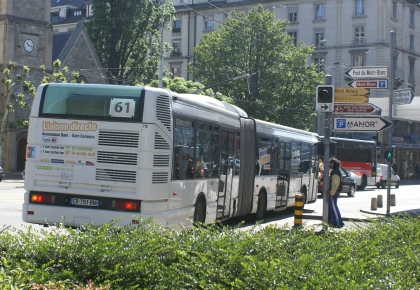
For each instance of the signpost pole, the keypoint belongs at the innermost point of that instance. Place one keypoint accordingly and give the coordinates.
(327, 134)
(391, 94)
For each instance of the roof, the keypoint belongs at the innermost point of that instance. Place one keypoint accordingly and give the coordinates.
(59, 40)
(76, 3)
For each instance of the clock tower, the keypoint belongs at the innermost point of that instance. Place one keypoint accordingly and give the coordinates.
(25, 38)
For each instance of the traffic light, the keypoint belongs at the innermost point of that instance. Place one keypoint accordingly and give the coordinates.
(325, 98)
(388, 154)
(255, 84)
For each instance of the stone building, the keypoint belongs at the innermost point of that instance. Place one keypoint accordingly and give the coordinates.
(26, 37)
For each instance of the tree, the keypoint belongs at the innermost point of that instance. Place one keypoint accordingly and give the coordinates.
(126, 35)
(257, 43)
(15, 78)
(180, 85)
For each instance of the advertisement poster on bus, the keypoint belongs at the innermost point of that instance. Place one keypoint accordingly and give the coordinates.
(65, 150)
(264, 157)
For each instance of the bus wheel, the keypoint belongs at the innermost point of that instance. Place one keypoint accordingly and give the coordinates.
(200, 211)
(364, 182)
(262, 206)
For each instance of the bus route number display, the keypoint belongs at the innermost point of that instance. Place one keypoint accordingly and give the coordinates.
(122, 108)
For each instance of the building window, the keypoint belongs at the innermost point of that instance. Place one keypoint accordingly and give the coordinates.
(176, 25)
(294, 35)
(319, 38)
(319, 61)
(208, 24)
(319, 11)
(412, 42)
(176, 71)
(360, 8)
(412, 11)
(394, 10)
(293, 14)
(358, 58)
(412, 68)
(359, 35)
(176, 48)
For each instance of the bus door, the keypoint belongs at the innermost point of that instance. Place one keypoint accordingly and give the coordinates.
(283, 165)
(226, 174)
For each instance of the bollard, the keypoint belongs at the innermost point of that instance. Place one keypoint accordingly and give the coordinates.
(298, 209)
(373, 204)
(392, 200)
(379, 200)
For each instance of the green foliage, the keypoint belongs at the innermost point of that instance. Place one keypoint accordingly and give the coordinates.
(258, 43)
(381, 255)
(126, 35)
(181, 86)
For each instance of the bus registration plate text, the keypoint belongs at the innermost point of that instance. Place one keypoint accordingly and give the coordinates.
(84, 201)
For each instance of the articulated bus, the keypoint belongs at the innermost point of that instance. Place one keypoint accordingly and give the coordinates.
(101, 153)
(359, 157)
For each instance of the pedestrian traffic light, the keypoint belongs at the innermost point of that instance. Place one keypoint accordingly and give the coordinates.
(324, 98)
(388, 154)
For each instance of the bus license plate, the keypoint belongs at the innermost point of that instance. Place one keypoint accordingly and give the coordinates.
(84, 201)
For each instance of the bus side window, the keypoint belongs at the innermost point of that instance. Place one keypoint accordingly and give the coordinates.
(183, 147)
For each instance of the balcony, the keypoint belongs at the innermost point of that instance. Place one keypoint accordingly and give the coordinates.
(360, 41)
(176, 30)
(176, 54)
(57, 19)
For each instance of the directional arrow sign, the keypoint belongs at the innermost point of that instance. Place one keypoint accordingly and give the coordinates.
(361, 124)
(371, 84)
(356, 109)
(368, 72)
(402, 97)
(351, 99)
(351, 92)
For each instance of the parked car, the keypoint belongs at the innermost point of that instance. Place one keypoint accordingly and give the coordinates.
(382, 172)
(348, 183)
(2, 174)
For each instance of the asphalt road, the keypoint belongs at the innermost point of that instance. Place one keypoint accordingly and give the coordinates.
(353, 209)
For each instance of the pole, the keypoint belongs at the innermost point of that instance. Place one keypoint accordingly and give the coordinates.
(161, 47)
(327, 135)
(391, 95)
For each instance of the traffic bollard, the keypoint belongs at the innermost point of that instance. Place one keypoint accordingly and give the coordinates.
(379, 201)
(298, 209)
(392, 200)
(373, 204)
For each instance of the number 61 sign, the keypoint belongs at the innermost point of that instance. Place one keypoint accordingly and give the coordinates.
(122, 108)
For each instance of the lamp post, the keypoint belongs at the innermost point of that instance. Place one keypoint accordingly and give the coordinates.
(161, 47)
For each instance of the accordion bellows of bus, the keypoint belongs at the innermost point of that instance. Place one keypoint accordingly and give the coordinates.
(102, 153)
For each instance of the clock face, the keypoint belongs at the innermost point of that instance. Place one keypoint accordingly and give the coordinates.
(28, 45)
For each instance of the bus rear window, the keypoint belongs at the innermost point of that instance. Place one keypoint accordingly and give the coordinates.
(91, 101)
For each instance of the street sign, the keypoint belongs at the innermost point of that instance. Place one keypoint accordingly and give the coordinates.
(351, 92)
(370, 84)
(367, 72)
(402, 97)
(356, 109)
(361, 124)
(351, 99)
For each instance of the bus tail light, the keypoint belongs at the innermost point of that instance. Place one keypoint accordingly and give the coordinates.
(41, 198)
(127, 205)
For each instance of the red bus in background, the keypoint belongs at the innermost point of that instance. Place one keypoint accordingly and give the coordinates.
(358, 157)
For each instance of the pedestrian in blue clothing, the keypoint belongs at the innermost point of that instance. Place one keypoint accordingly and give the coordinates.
(334, 192)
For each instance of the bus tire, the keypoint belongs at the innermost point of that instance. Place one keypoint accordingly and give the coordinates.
(200, 211)
(262, 206)
(364, 182)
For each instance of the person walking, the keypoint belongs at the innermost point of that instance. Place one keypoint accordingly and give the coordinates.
(334, 191)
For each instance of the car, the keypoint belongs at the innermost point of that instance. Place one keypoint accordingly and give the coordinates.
(382, 172)
(348, 183)
(2, 174)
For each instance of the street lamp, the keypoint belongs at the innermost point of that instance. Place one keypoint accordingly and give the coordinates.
(161, 46)
(320, 119)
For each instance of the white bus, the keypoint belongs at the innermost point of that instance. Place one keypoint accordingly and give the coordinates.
(98, 153)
